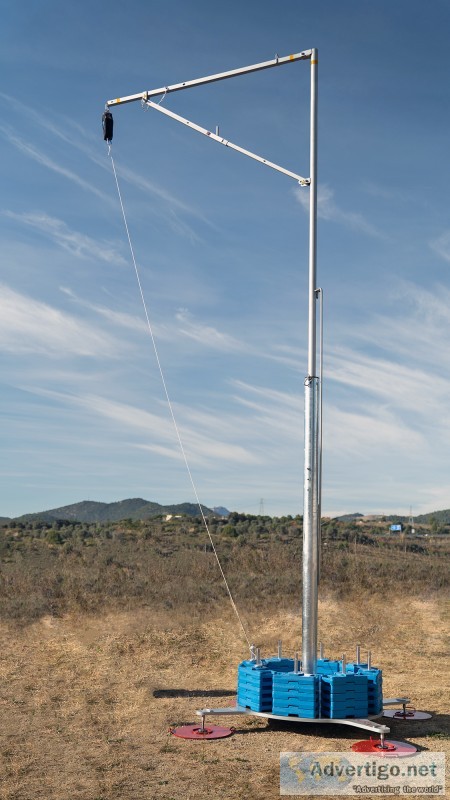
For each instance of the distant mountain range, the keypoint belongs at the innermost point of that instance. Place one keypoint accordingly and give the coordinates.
(136, 508)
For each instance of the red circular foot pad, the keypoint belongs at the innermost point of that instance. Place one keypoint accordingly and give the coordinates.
(391, 748)
(195, 732)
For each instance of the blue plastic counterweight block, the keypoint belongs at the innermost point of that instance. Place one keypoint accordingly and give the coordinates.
(297, 680)
(375, 685)
(295, 711)
(344, 695)
(295, 694)
(254, 689)
(255, 682)
(344, 682)
(255, 703)
(327, 667)
(280, 664)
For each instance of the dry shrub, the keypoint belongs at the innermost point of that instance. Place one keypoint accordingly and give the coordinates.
(126, 571)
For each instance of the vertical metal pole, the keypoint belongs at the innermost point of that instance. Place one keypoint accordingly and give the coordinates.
(319, 298)
(311, 476)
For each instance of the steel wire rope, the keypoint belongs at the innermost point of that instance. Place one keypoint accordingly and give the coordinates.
(169, 403)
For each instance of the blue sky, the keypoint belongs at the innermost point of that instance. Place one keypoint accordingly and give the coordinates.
(222, 248)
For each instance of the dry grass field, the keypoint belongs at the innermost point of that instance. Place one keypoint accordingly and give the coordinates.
(87, 700)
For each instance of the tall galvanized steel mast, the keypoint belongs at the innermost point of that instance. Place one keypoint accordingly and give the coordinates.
(312, 490)
(312, 475)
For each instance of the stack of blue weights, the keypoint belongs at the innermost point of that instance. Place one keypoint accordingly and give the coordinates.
(273, 687)
(295, 694)
(375, 685)
(375, 681)
(255, 683)
(254, 687)
(344, 695)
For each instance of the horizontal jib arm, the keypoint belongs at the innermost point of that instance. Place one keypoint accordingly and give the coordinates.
(220, 76)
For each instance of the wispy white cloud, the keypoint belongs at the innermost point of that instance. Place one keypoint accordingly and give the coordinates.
(441, 245)
(75, 242)
(160, 192)
(161, 450)
(394, 194)
(207, 335)
(274, 421)
(168, 331)
(119, 318)
(30, 326)
(69, 131)
(37, 155)
(156, 432)
(394, 373)
(394, 383)
(185, 329)
(282, 400)
(416, 332)
(328, 209)
(369, 432)
(83, 143)
(386, 415)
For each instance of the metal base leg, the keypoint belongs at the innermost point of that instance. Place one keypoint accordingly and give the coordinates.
(365, 724)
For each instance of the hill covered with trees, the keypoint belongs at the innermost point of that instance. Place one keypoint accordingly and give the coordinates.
(133, 509)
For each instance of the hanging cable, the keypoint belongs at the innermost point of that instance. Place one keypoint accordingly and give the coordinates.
(180, 442)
